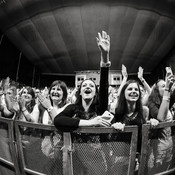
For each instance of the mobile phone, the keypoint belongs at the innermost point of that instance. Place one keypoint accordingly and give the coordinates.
(169, 71)
(107, 116)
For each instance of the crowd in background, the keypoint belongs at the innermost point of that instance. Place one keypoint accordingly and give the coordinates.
(132, 103)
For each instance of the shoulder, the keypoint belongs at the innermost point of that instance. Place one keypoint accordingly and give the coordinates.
(145, 112)
(69, 108)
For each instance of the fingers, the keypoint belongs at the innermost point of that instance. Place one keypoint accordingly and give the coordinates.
(153, 122)
(102, 122)
(99, 36)
(119, 126)
(41, 98)
(104, 35)
(97, 40)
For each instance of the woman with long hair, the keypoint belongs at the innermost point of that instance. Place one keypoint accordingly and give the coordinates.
(87, 111)
(159, 107)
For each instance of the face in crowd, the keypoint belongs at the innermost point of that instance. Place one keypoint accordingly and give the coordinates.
(88, 89)
(58, 92)
(161, 87)
(28, 94)
(132, 92)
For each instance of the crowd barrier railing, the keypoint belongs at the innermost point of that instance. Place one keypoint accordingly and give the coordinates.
(158, 149)
(8, 153)
(39, 149)
(83, 151)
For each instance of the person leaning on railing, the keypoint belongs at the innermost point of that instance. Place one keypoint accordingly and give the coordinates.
(159, 107)
(88, 108)
(130, 111)
(87, 105)
(24, 106)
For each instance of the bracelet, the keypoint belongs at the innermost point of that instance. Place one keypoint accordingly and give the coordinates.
(166, 98)
(142, 80)
(167, 89)
(49, 109)
(102, 64)
(24, 110)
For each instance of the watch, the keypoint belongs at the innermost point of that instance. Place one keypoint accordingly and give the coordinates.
(49, 109)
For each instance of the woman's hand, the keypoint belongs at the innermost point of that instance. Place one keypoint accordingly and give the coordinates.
(45, 102)
(124, 71)
(140, 73)
(118, 126)
(103, 42)
(170, 79)
(153, 122)
(22, 102)
(6, 84)
(99, 121)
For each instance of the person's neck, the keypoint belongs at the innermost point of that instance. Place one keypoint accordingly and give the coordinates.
(56, 103)
(86, 103)
(131, 106)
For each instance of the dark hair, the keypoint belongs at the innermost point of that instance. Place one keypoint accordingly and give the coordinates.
(63, 86)
(95, 103)
(122, 105)
(155, 96)
(31, 92)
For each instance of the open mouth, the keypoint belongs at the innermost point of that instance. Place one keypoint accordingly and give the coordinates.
(87, 91)
(55, 95)
(133, 95)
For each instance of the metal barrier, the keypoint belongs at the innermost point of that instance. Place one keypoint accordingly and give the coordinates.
(158, 149)
(38, 149)
(8, 153)
(84, 151)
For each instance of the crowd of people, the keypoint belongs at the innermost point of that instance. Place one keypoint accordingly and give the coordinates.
(132, 103)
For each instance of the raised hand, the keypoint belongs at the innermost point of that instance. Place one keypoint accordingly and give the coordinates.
(103, 42)
(45, 102)
(6, 84)
(124, 71)
(140, 73)
(22, 102)
(170, 79)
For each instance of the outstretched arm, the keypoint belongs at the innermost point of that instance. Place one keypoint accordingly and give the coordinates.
(125, 77)
(145, 84)
(103, 42)
(164, 107)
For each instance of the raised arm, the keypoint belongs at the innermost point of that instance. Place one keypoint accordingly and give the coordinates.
(125, 77)
(103, 42)
(145, 84)
(164, 107)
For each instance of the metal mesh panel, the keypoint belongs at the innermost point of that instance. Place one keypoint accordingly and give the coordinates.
(5, 152)
(161, 152)
(5, 142)
(42, 151)
(103, 154)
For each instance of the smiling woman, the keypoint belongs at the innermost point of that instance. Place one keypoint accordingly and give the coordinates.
(58, 99)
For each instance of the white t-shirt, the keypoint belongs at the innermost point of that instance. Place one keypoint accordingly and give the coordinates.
(47, 119)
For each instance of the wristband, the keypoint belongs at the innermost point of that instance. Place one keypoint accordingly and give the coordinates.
(102, 64)
(49, 109)
(142, 80)
(166, 98)
(24, 110)
(167, 89)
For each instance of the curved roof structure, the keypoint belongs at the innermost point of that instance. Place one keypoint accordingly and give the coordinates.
(59, 36)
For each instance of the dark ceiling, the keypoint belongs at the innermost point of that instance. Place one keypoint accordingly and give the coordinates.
(59, 36)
